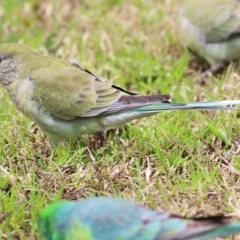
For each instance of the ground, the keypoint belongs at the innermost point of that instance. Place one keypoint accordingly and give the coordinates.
(184, 162)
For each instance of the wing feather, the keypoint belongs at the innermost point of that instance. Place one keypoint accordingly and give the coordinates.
(70, 92)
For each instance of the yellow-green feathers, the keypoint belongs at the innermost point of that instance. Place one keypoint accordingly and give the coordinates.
(211, 29)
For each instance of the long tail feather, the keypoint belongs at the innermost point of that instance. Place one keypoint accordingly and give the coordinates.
(218, 105)
(198, 228)
(129, 113)
(221, 231)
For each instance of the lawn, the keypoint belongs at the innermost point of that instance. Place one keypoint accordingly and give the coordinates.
(185, 162)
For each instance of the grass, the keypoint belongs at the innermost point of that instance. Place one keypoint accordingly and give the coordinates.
(184, 162)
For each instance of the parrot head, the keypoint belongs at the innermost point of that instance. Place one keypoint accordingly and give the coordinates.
(46, 221)
(11, 56)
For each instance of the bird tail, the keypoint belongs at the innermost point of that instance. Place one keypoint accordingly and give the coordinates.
(137, 109)
(200, 228)
(220, 231)
(166, 106)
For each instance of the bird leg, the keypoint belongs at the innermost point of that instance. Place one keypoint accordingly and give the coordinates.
(212, 70)
(102, 136)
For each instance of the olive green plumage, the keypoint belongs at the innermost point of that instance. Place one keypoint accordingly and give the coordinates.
(67, 101)
(211, 30)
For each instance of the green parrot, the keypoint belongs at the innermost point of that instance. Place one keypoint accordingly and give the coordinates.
(211, 30)
(100, 218)
(67, 101)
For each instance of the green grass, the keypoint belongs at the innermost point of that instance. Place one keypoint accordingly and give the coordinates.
(184, 162)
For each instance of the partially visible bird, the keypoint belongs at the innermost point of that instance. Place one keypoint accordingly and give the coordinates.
(100, 218)
(67, 101)
(211, 30)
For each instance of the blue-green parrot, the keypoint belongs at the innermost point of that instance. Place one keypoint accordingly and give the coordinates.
(67, 101)
(100, 218)
(211, 30)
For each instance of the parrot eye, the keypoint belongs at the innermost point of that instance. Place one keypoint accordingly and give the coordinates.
(3, 56)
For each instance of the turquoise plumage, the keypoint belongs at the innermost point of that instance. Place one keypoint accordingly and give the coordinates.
(118, 219)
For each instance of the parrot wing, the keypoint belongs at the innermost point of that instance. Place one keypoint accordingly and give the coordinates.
(217, 20)
(70, 92)
(227, 25)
